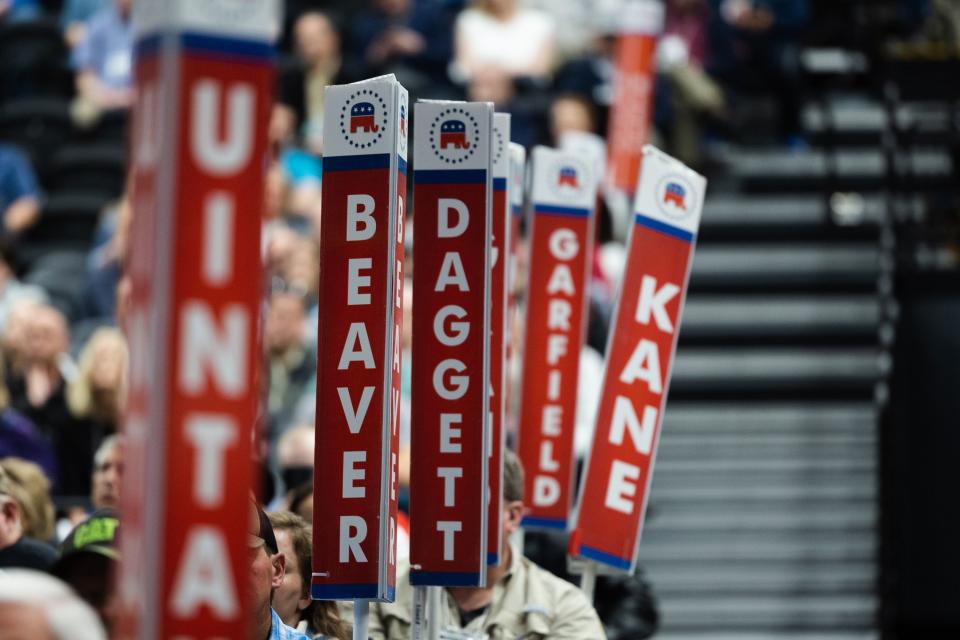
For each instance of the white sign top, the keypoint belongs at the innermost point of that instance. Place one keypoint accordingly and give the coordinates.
(563, 179)
(360, 119)
(589, 146)
(242, 19)
(669, 191)
(453, 135)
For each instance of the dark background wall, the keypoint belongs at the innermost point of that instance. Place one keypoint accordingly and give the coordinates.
(921, 464)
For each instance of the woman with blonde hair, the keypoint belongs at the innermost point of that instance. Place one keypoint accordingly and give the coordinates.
(33, 496)
(97, 392)
(94, 399)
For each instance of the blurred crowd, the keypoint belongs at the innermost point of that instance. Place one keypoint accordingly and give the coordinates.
(550, 64)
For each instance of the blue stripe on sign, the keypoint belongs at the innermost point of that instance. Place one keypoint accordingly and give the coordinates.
(227, 47)
(544, 523)
(603, 557)
(663, 227)
(517, 210)
(343, 591)
(499, 184)
(401, 165)
(493, 559)
(148, 45)
(444, 579)
(356, 163)
(449, 176)
(551, 210)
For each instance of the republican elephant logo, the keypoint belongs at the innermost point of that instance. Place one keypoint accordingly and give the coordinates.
(362, 117)
(453, 133)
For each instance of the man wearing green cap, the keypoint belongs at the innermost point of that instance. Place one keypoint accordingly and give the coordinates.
(87, 558)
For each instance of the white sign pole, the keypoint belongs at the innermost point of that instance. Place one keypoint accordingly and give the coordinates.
(434, 616)
(361, 619)
(419, 613)
(588, 581)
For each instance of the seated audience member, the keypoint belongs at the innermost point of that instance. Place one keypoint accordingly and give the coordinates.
(12, 291)
(267, 569)
(38, 606)
(95, 395)
(291, 363)
(74, 17)
(105, 481)
(411, 38)
(505, 608)
(682, 58)
(88, 559)
(300, 500)
(19, 191)
(107, 474)
(299, 112)
(753, 40)
(505, 36)
(40, 365)
(35, 504)
(19, 10)
(295, 459)
(571, 112)
(16, 549)
(103, 62)
(291, 600)
(491, 84)
(20, 438)
(105, 260)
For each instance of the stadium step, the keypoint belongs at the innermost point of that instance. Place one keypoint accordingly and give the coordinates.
(772, 611)
(774, 266)
(787, 318)
(768, 418)
(777, 170)
(764, 578)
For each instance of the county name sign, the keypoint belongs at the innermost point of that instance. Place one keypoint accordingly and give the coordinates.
(499, 260)
(641, 22)
(358, 346)
(450, 350)
(561, 241)
(640, 352)
(204, 79)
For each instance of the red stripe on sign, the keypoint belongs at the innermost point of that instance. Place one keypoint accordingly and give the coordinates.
(632, 110)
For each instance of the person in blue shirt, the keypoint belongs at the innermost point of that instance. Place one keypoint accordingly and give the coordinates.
(19, 193)
(103, 58)
(19, 10)
(75, 15)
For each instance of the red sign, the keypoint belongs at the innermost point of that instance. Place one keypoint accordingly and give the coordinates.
(450, 348)
(358, 346)
(633, 87)
(198, 157)
(561, 241)
(613, 496)
(500, 243)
